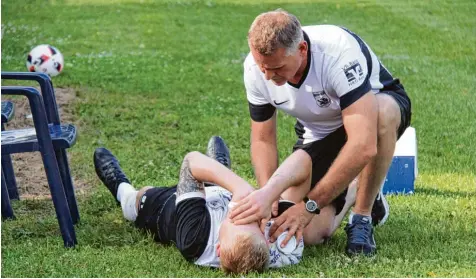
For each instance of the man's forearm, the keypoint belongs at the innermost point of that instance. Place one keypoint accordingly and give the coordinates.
(348, 164)
(264, 157)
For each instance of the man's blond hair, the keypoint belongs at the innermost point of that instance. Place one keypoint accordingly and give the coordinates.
(272, 30)
(248, 253)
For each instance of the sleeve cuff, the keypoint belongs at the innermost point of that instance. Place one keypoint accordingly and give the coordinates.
(350, 97)
(189, 196)
(261, 113)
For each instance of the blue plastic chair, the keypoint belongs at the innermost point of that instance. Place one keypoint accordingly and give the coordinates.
(48, 139)
(53, 119)
(7, 211)
(8, 110)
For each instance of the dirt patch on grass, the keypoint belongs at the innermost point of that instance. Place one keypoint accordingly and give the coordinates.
(29, 171)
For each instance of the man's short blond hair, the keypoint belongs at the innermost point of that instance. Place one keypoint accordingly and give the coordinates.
(272, 30)
(248, 253)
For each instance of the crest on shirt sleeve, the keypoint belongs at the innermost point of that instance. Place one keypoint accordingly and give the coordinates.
(353, 72)
(322, 99)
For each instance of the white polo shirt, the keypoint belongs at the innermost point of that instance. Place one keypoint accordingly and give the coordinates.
(341, 68)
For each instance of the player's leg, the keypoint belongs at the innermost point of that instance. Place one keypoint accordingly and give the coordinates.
(145, 206)
(372, 176)
(140, 194)
(392, 121)
(322, 153)
(297, 193)
(320, 225)
(324, 225)
(110, 173)
(218, 150)
(349, 202)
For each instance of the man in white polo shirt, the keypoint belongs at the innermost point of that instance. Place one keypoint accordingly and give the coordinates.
(350, 112)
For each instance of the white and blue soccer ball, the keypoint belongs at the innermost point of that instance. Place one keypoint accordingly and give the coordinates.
(45, 59)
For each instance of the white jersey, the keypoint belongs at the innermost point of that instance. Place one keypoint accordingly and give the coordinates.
(341, 68)
(217, 204)
(217, 201)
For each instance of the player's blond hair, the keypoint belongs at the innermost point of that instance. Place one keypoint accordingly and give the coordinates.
(249, 252)
(272, 30)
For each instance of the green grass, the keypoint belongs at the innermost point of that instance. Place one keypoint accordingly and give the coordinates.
(155, 79)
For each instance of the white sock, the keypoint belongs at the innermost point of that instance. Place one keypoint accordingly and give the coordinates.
(351, 216)
(126, 195)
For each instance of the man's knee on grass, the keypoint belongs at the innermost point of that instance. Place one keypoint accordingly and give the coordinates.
(246, 252)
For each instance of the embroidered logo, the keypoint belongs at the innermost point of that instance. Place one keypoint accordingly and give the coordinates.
(322, 99)
(353, 71)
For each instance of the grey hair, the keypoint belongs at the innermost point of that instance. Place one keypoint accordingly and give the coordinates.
(276, 29)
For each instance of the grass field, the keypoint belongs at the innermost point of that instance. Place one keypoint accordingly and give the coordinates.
(155, 79)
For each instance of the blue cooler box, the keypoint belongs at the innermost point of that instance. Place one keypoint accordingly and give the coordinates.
(403, 170)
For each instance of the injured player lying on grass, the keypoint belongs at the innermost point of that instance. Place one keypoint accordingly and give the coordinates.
(194, 214)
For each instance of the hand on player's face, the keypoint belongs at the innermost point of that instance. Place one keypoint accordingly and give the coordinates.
(275, 208)
(229, 231)
(252, 208)
(293, 220)
(242, 193)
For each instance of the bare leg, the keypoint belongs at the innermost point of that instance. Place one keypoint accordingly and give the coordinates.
(372, 176)
(320, 226)
(324, 225)
(349, 202)
(297, 193)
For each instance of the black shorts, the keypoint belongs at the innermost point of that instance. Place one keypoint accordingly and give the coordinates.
(323, 152)
(284, 205)
(158, 204)
(186, 224)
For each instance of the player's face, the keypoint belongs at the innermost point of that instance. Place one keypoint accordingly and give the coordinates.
(228, 231)
(279, 67)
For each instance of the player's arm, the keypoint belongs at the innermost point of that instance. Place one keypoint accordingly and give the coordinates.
(198, 168)
(191, 213)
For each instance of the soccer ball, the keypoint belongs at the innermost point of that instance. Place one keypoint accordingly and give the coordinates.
(45, 59)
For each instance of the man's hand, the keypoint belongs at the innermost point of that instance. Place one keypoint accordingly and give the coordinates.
(275, 207)
(253, 208)
(293, 220)
(242, 193)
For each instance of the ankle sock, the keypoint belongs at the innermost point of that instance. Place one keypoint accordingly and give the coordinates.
(126, 195)
(352, 214)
